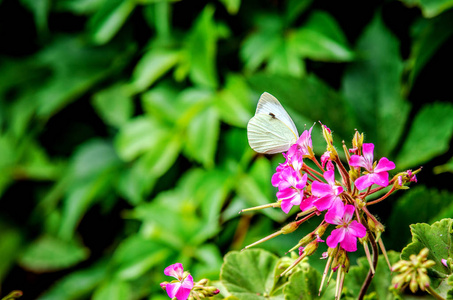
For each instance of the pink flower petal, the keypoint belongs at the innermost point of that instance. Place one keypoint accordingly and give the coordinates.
(349, 243)
(357, 161)
(175, 270)
(348, 213)
(381, 178)
(367, 152)
(357, 229)
(329, 176)
(335, 237)
(307, 203)
(384, 165)
(364, 181)
(172, 289)
(184, 291)
(289, 197)
(325, 202)
(335, 214)
(320, 189)
(188, 282)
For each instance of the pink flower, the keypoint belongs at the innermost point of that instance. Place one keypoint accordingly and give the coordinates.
(444, 262)
(327, 193)
(291, 188)
(325, 158)
(376, 175)
(305, 144)
(181, 289)
(347, 232)
(294, 157)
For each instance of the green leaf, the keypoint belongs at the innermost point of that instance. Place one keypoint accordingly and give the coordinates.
(429, 135)
(429, 36)
(430, 8)
(249, 275)
(138, 136)
(114, 105)
(140, 179)
(79, 7)
(259, 46)
(107, 21)
(75, 68)
(40, 10)
(438, 238)
(202, 135)
(285, 60)
(202, 49)
(153, 65)
(161, 102)
(295, 8)
(113, 289)
(78, 284)
(233, 102)
(136, 255)
(321, 39)
(50, 254)
(382, 280)
(256, 189)
(12, 242)
(305, 285)
(416, 200)
(372, 85)
(448, 167)
(92, 173)
(232, 6)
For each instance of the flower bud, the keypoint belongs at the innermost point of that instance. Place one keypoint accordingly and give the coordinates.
(423, 281)
(322, 229)
(290, 227)
(357, 140)
(163, 285)
(311, 248)
(413, 285)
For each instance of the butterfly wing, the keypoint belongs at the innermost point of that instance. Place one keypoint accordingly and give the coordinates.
(268, 104)
(267, 134)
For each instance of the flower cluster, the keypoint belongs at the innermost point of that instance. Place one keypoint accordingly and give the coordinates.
(342, 203)
(183, 287)
(413, 272)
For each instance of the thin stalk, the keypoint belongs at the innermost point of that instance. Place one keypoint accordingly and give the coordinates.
(370, 275)
(433, 293)
(382, 198)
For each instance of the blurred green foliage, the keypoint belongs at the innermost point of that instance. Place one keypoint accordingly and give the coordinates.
(123, 146)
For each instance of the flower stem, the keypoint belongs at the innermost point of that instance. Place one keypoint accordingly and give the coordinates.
(344, 173)
(370, 275)
(433, 293)
(382, 198)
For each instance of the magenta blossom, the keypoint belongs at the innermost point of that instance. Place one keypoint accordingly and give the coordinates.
(327, 193)
(291, 189)
(181, 289)
(376, 175)
(305, 144)
(347, 231)
(294, 157)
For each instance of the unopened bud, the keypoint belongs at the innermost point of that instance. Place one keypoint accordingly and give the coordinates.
(413, 285)
(311, 248)
(203, 281)
(357, 140)
(163, 285)
(423, 281)
(423, 254)
(291, 227)
(322, 229)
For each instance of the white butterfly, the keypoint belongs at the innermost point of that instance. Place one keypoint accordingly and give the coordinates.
(271, 130)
